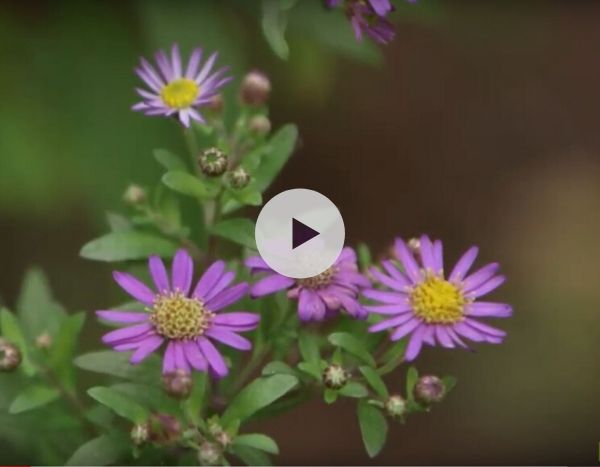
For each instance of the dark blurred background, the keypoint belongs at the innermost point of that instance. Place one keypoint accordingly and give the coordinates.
(479, 125)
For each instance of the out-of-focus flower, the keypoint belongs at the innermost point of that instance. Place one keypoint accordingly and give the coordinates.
(10, 356)
(43, 341)
(260, 125)
(433, 310)
(163, 428)
(173, 90)
(395, 406)
(239, 178)
(135, 194)
(429, 389)
(187, 319)
(212, 162)
(255, 88)
(139, 434)
(320, 296)
(209, 453)
(178, 384)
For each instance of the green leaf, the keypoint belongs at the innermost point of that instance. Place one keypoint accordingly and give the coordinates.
(11, 331)
(249, 196)
(120, 404)
(309, 347)
(117, 222)
(352, 345)
(103, 450)
(257, 441)
(364, 256)
(354, 389)
(251, 456)
(412, 375)
(373, 427)
(169, 160)
(117, 364)
(238, 230)
(277, 367)
(274, 23)
(127, 245)
(32, 398)
(186, 184)
(63, 349)
(258, 394)
(330, 395)
(449, 383)
(393, 357)
(281, 145)
(375, 381)
(195, 402)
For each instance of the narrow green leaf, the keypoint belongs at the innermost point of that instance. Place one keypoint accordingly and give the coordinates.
(309, 347)
(412, 375)
(330, 395)
(169, 160)
(258, 394)
(393, 357)
(257, 441)
(274, 23)
(375, 381)
(32, 398)
(354, 389)
(103, 450)
(127, 245)
(352, 345)
(373, 427)
(281, 146)
(364, 256)
(249, 196)
(122, 405)
(238, 230)
(63, 349)
(251, 456)
(117, 364)
(313, 369)
(194, 404)
(11, 331)
(186, 184)
(277, 367)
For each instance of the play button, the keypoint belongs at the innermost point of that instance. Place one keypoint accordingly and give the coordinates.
(299, 233)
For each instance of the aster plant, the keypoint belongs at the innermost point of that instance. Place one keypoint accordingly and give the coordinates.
(204, 336)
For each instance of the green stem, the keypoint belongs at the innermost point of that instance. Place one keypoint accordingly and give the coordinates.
(255, 361)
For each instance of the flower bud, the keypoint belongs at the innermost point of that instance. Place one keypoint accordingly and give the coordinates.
(139, 434)
(239, 178)
(223, 438)
(213, 162)
(260, 125)
(414, 244)
(135, 194)
(43, 341)
(163, 428)
(255, 89)
(335, 377)
(395, 406)
(209, 453)
(216, 104)
(178, 384)
(429, 389)
(10, 356)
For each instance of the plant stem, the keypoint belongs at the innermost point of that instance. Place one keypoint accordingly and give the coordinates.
(254, 363)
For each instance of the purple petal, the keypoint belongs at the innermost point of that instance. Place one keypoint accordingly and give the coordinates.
(134, 287)
(176, 61)
(484, 328)
(237, 318)
(381, 7)
(479, 277)
(408, 261)
(442, 335)
(159, 274)
(164, 65)
(347, 255)
(463, 265)
(390, 309)
(256, 262)
(148, 345)
(210, 277)
(227, 297)
(192, 67)
(429, 334)
(352, 277)
(310, 306)
(169, 358)
(194, 356)
(353, 307)
(438, 257)
(405, 329)
(184, 117)
(393, 271)
(182, 272)
(414, 345)
(388, 281)
(130, 332)
(206, 68)
(122, 316)
(468, 332)
(491, 309)
(230, 338)
(487, 287)
(181, 362)
(390, 323)
(270, 284)
(214, 358)
(426, 248)
(385, 297)
(224, 282)
(457, 339)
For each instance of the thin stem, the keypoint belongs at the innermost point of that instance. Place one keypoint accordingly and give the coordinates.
(254, 363)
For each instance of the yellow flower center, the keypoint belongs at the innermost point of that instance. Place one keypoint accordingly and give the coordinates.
(437, 301)
(178, 317)
(180, 93)
(318, 281)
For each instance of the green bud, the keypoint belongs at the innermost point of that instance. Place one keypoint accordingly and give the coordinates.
(395, 406)
(260, 125)
(212, 162)
(43, 341)
(239, 178)
(178, 384)
(10, 356)
(209, 453)
(139, 434)
(134, 195)
(429, 390)
(335, 377)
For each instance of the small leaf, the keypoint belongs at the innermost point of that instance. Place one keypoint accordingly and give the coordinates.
(364, 256)
(169, 160)
(373, 427)
(258, 394)
(119, 403)
(352, 345)
(449, 383)
(309, 347)
(63, 349)
(32, 398)
(277, 367)
(127, 245)
(354, 389)
(103, 450)
(195, 402)
(11, 331)
(238, 230)
(251, 456)
(330, 395)
(313, 369)
(257, 441)
(117, 364)
(375, 381)
(412, 375)
(281, 146)
(393, 357)
(274, 23)
(117, 222)
(186, 184)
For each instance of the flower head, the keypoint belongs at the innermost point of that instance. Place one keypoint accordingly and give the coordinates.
(432, 309)
(173, 90)
(187, 320)
(320, 296)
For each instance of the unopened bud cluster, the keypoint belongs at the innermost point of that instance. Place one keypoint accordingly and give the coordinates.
(429, 390)
(213, 162)
(260, 125)
(209, 453)
(238, 178)
(335, 377)
(395, 406)
(10, 356)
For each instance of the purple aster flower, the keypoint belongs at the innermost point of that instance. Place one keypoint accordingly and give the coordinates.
(320, 296)
(422, 303)
(187, 319)
(175, 91)
(369, 18)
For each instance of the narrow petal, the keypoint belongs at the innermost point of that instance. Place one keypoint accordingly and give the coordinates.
(480, 276)
(426, 248)
(347, 255)
(487, 287)
(438, 257)
(414, 345)
(256, 263)
(408, 261)
(388, 281)
(164, 65)
(390, 323)
(429, 334)
(194, 356)
(381, 7)
(176, 61)
(159, 274)
(182, 272)
(310, 306)
(228, 296)
(169, 358)
(443, 337)
(184, 117)
(206, 68)
(390, 309)
(463, 265)
(270, 284)
(467, 331)
(210, 277)
(214, 358)
(149, 345)
(405, 329)
(224, 282)
(385, 297)
(230, 338)
(237, 318)
(353, 307)
(393, 271)
(488, 309)
(134, 287)
(181, 363)
(129, 332)
(484, 328)
(457, 339)
(116, 316)
(192, 67)
(351, 277)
